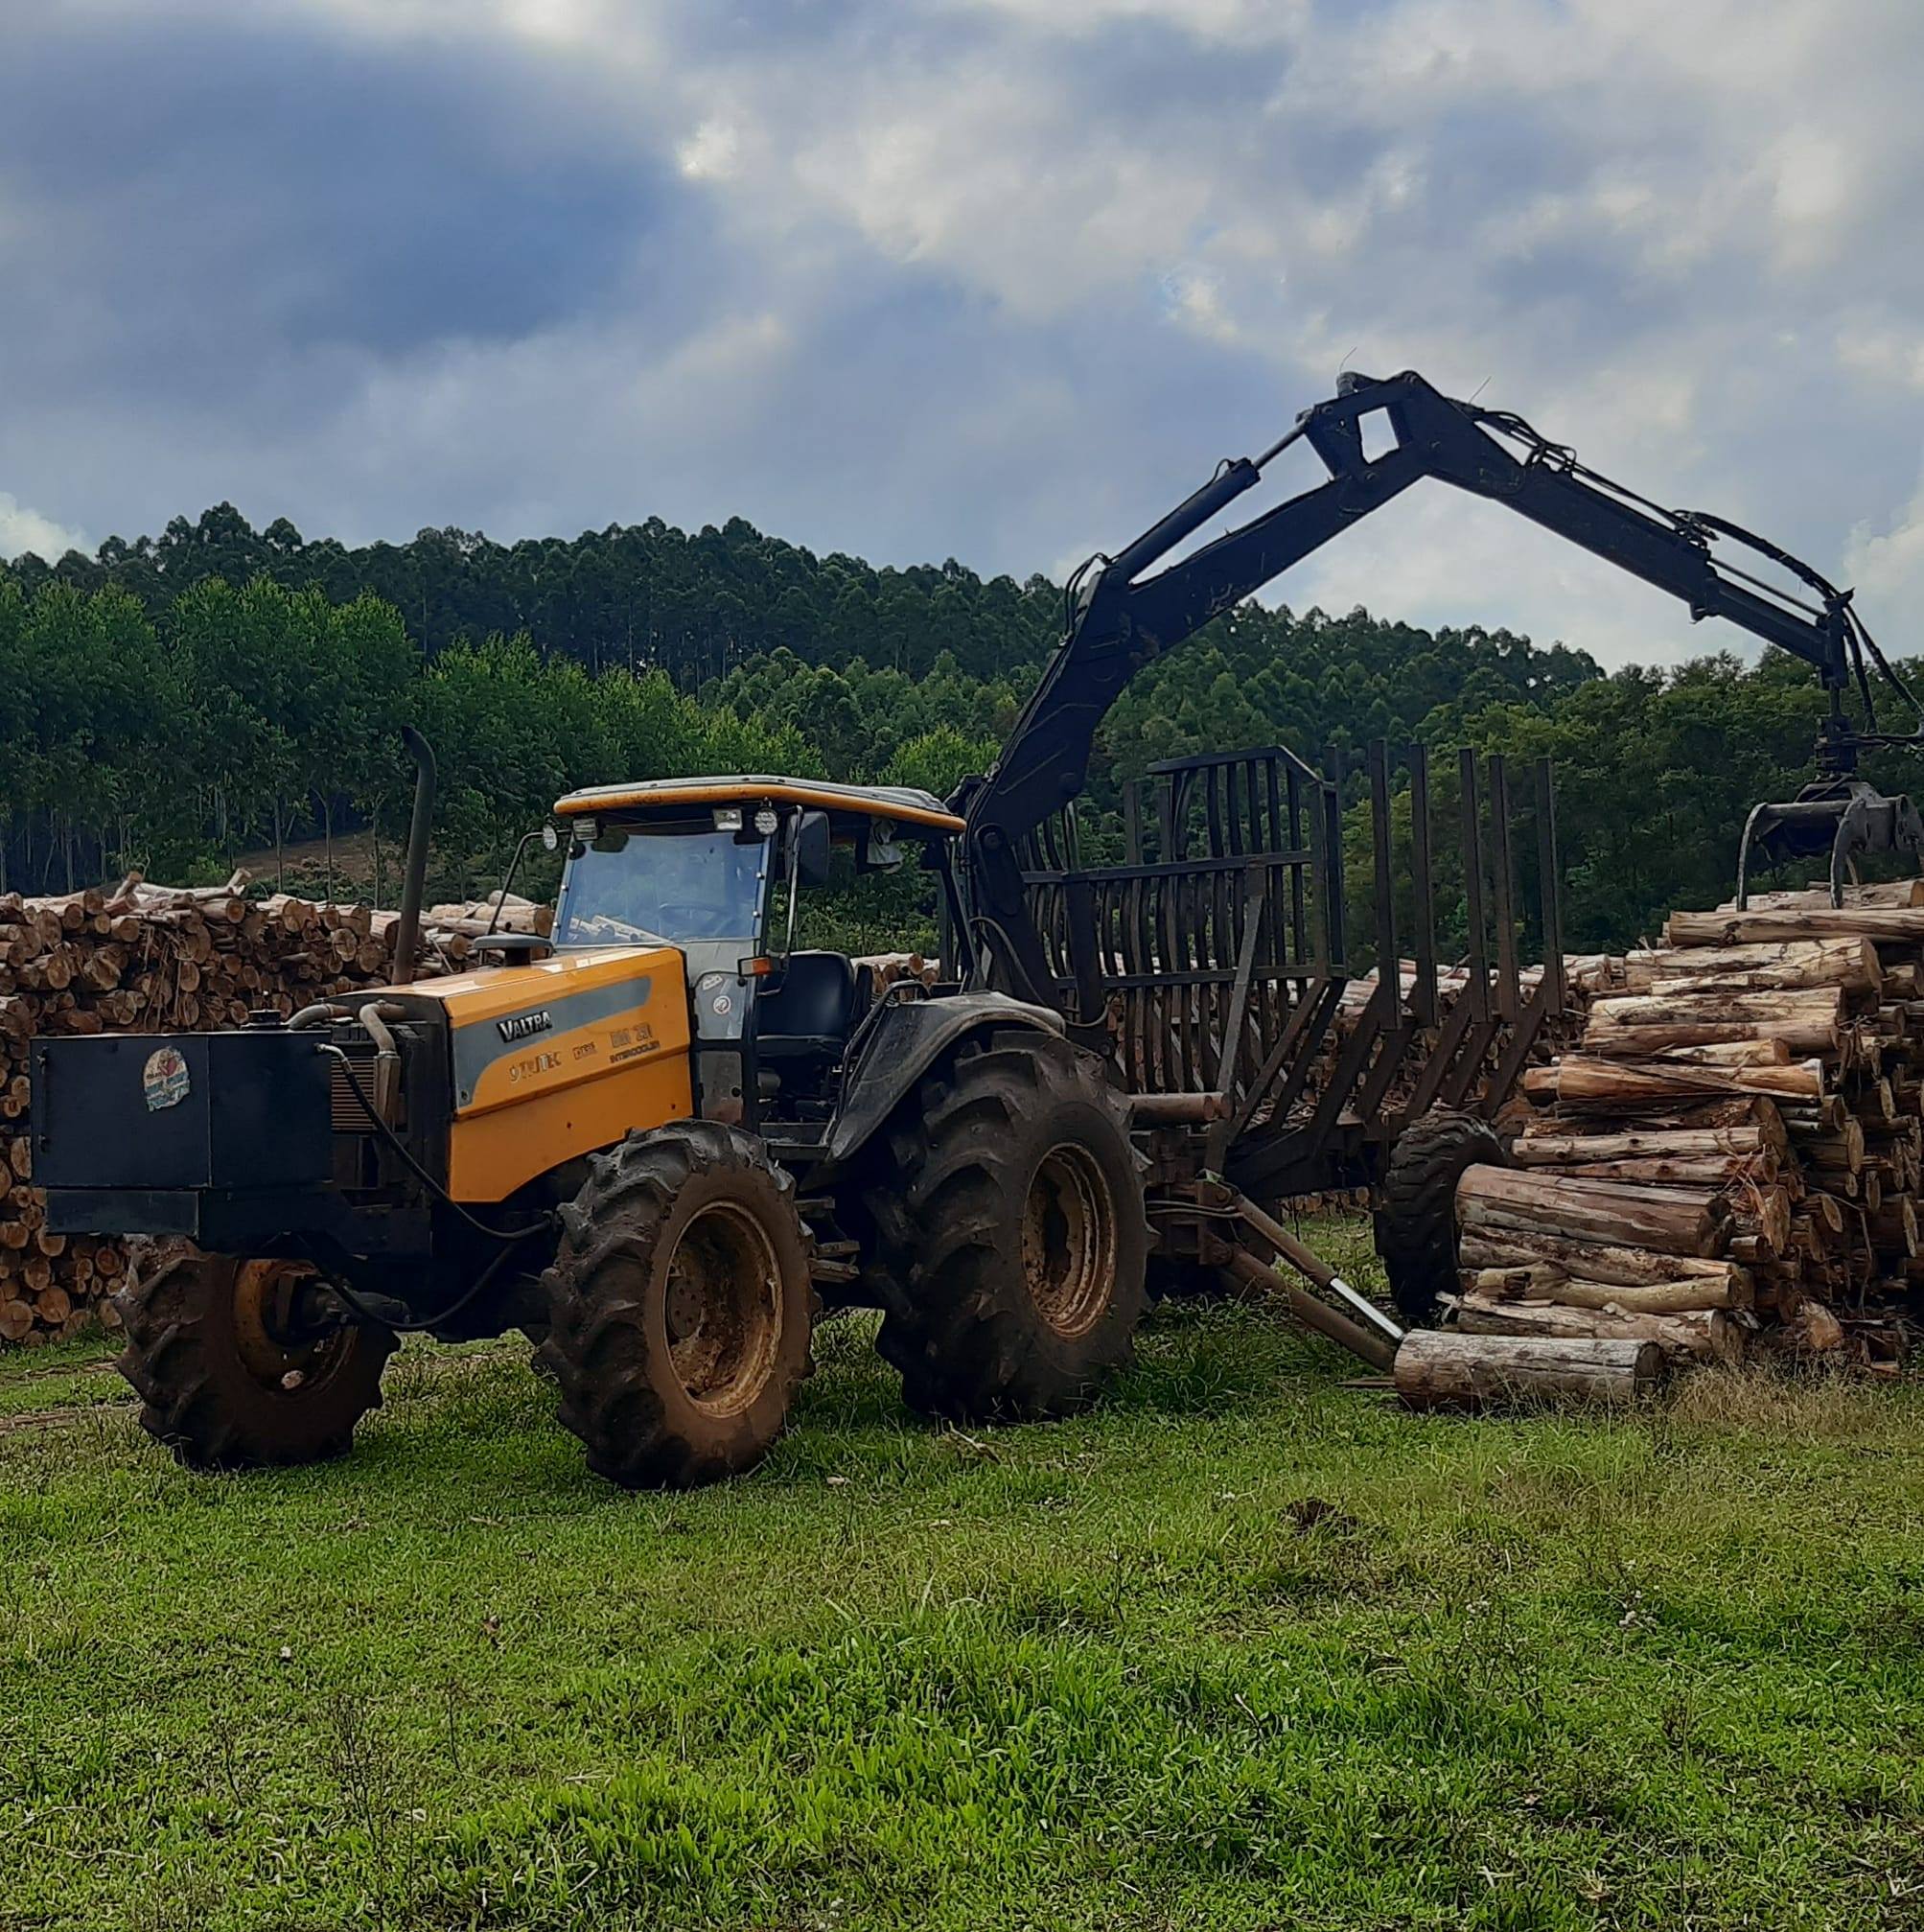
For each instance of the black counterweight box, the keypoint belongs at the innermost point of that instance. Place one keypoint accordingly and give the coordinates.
(224, 1110)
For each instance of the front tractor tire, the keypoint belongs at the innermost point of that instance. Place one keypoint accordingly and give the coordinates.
(1416, 1227)
(226, 1374)
(680, 1306)
(1010, 1223)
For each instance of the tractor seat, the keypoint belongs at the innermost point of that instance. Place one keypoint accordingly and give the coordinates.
(808, 1011)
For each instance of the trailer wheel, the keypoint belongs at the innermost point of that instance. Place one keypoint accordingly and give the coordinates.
(1416, 1227)
(227, 1380)
(1010, 1226)
(680, 1306)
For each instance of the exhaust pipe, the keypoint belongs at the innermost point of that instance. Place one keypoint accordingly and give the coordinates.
(407, 931)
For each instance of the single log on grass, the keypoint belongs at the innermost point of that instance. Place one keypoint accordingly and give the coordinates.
(1673, 1220)
(1437, 1369)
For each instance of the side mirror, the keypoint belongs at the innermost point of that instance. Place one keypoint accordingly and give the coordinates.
(812, 849)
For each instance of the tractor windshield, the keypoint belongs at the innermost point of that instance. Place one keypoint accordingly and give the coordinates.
(641, 884)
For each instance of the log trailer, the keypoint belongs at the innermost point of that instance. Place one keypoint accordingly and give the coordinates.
(661, 1140)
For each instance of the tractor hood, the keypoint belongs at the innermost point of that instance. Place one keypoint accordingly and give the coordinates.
(518, 1032)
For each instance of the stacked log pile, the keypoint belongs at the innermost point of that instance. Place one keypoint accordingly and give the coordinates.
(141, 958)
(1730, 1159)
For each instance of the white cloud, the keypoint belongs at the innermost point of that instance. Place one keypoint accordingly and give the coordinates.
(24, 528)
(1887, 565)
(962, 168)
(579, 26)
(710, 153)
(1886, 350)
(1233, 20)
(1443, 558)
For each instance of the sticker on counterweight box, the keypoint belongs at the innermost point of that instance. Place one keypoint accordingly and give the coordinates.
(164, 1079)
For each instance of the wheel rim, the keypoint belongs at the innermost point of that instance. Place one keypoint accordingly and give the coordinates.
(275, 1356)
(1069, 1239)
(723, 1308)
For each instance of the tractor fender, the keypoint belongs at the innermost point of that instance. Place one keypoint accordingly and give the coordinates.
(903, 1041)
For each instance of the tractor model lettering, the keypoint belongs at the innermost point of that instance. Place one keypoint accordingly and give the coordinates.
(632, 1043)
(528, 1069)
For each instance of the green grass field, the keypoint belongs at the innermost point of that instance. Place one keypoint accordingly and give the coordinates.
(1244, 1647)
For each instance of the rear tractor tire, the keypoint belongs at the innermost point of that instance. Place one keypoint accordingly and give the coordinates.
(227, 1380)
(680, 1306)
(1010, 1226)
(1415, 1227)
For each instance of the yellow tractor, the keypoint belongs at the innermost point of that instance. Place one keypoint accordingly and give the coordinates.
(655, 1142)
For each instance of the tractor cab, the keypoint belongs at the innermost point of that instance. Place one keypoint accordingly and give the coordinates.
(717, 867)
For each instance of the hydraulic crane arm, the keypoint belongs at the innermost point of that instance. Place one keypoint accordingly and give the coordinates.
(1120, 618)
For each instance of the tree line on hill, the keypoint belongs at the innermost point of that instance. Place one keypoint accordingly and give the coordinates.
(640, 596)
(169, 702)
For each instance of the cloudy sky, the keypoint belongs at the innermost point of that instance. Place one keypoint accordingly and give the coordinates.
(996, 279)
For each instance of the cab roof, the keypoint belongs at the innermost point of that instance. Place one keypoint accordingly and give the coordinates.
(907, 804)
